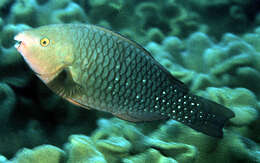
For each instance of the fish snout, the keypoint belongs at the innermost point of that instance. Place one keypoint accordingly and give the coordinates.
(20, 38)
(17, 44)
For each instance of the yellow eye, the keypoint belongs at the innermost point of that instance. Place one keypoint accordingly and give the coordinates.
(45, 42)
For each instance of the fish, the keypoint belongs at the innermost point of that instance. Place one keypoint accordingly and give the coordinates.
(96, 68)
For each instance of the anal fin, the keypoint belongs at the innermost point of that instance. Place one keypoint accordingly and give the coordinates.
(139, 116)
(78, 104)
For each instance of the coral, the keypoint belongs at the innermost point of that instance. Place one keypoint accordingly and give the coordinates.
(40, 154)
(151, 156)
(7, 103)
(112, 144)
(149, 21)
(205, 4)
(171, 17)
(120, 141)
(82, 149)
(243, 103)
(232, 148)
(3, 3)
(11, 63)
(232, 62)
(131, 139)
(253, 39)
(32, 13)
(3, 159)
(228, 12)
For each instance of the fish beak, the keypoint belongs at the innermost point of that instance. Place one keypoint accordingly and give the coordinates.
(17, 44)
(19, 38)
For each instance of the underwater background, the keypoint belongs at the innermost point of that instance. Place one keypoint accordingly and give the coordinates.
(213, 46)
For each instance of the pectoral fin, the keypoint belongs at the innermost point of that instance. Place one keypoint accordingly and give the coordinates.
(65, 86)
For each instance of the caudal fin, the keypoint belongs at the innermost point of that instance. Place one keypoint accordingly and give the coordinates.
(210, 117)
(201, 114)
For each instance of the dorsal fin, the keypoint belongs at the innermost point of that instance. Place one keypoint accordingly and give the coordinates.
(123, 38)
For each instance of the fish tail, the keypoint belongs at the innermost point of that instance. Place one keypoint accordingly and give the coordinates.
(207, 116)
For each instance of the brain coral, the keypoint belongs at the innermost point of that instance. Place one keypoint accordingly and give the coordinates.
(171, 18)
(120, 141)
(200, 62)
(32, 13)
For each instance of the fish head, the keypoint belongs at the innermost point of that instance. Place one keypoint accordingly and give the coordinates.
(47, 50)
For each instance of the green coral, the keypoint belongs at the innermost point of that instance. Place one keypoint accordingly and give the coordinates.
(151, 156)
(200, 62)
(228, 12)
(243, 103)
(11, 63)
(149, 21)
(31, 12)
(7, 103)
(3, 159)
(116, 141)
(41, 154)
(82, 149)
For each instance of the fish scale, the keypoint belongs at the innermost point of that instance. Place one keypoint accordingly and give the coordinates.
(108, 72)
(135, 75)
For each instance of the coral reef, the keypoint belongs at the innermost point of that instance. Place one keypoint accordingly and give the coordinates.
(41, 154)
(190, 38)
(7, 102)
(120, 141)
(149, 20)
(232, 62)
(173, 17)
(228, 12)
(31, 12)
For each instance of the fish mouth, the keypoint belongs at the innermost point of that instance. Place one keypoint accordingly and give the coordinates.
(18, 44)
(19, 41)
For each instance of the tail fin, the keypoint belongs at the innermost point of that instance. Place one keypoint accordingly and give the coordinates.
(209, 117)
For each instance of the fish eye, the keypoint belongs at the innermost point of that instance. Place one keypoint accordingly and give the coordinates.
(44, 42)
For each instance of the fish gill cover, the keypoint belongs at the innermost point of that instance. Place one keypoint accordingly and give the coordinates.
(212, 46)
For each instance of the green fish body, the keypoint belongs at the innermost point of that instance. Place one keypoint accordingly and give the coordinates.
(96, 68)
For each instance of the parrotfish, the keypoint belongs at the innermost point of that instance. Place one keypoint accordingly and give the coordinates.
(96, 68)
